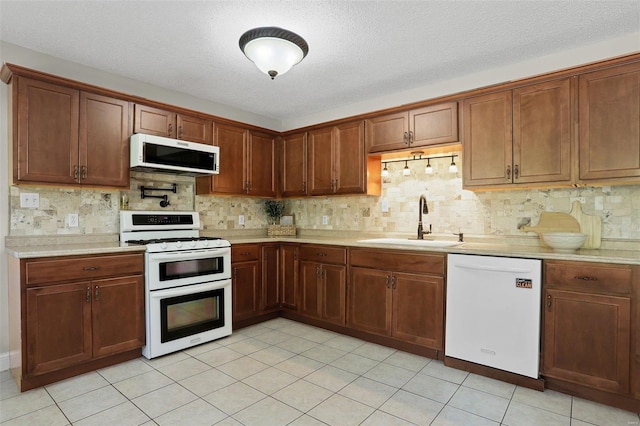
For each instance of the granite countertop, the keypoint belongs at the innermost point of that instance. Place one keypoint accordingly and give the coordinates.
(30, 247)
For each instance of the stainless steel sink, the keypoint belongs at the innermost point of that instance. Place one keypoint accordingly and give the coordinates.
(411, 242)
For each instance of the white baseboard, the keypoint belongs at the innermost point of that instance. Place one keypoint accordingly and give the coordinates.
(4, 361)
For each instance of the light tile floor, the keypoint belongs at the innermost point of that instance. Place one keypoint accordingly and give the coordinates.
(285, 373)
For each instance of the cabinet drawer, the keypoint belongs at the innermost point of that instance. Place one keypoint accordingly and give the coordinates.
(602, 277)
(398, 261)
(245, 252)
(52, 270)
(324, 254)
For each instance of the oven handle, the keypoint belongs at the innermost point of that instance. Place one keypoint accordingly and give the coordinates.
(189, 254)
(188, 289)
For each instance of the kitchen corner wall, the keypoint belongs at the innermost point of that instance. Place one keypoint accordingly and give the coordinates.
(451, 209)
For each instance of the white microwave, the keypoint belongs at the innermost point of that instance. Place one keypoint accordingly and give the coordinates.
(151, 153)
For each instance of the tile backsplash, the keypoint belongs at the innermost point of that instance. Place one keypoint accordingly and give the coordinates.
(451, 209)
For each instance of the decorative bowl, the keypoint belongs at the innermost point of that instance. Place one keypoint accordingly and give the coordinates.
(564, 241)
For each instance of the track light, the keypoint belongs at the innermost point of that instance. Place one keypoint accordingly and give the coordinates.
(453, 168)
(406, 171)
(385, 171)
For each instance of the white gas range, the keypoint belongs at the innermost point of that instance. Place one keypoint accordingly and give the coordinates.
(187, 279)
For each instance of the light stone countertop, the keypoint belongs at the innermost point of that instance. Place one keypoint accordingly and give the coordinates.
(31, 247)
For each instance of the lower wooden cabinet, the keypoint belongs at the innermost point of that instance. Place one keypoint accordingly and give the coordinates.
(246, 281)
(289, 275)
(75, 310)
(323, 281)
(407, 306)
(587, 325)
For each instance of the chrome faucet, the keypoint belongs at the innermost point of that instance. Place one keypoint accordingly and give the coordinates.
(422, 208)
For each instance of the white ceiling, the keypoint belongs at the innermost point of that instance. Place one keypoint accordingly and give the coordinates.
(358, 50)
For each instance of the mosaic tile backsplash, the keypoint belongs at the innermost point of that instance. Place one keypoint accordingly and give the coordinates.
(451, 209)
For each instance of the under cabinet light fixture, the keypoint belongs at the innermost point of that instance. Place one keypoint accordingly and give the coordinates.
(417, 155)
(274, 50)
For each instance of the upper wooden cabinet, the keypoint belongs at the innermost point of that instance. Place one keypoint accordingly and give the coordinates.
(247, 164)
(66, 136)
(293, 165)
(338, 163)
(520, 136)
(159, 122)
(610, 124)
(431, 125)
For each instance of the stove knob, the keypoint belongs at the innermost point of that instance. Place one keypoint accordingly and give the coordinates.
(179, 244)
(217, 243)
(205, 243)
(163, 246)
(192, 243)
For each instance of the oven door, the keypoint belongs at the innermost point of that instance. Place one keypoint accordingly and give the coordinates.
(186, 316)
(187, 267)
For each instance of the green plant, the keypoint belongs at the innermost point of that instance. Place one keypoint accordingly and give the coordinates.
(274, 209)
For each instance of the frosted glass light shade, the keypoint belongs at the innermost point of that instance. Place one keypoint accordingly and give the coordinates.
(273, 50)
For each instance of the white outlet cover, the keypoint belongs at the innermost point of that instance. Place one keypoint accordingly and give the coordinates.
(325, 220)
(241, 219)
(72, 220)
(385, 206)
(30, 200)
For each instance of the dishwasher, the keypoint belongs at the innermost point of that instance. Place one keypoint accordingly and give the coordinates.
(493, 312)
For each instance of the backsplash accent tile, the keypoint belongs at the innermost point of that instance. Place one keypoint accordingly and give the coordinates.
(451, 209)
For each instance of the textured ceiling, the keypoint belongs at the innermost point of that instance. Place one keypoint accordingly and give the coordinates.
(358, 50)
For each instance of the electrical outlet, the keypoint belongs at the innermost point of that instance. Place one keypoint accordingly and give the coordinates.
(72, 220)
(325, 220)
(30, 200)
(241, 219)
(385, 206)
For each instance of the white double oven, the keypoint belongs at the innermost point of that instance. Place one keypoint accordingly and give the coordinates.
(187, 280)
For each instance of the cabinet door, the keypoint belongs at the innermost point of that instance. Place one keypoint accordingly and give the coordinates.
(194, 129)
(261, 165)
(58, 329)
(542, 133)
(118, 315)
(154, 121)
(246, 287)
(309, 288)
(333, 293)
(47, 133)
(350, 159)
(232, 142)
(586, 339)
(370, 300)
(321, 161)
(293, 165)
(610, 123)
(270, 277)
(105, 127)
(289, 276)
(418, 309)
(487, 140)
(388, 133)
(433, 125)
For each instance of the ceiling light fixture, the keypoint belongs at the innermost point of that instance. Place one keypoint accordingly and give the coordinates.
(274, 50)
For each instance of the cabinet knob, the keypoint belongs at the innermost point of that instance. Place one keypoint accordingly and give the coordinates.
(585, 278)
(405, 138)
(549, 302)
(509, 173)
(88, 297)
(387, 281)
(393, 282)
(410, 137)
(515, 171)
(180, 132)
(83, 172)
(97, 293)
(170, 129)
(75, 172)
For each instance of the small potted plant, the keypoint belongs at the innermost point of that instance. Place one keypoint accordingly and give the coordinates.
(274, 210)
